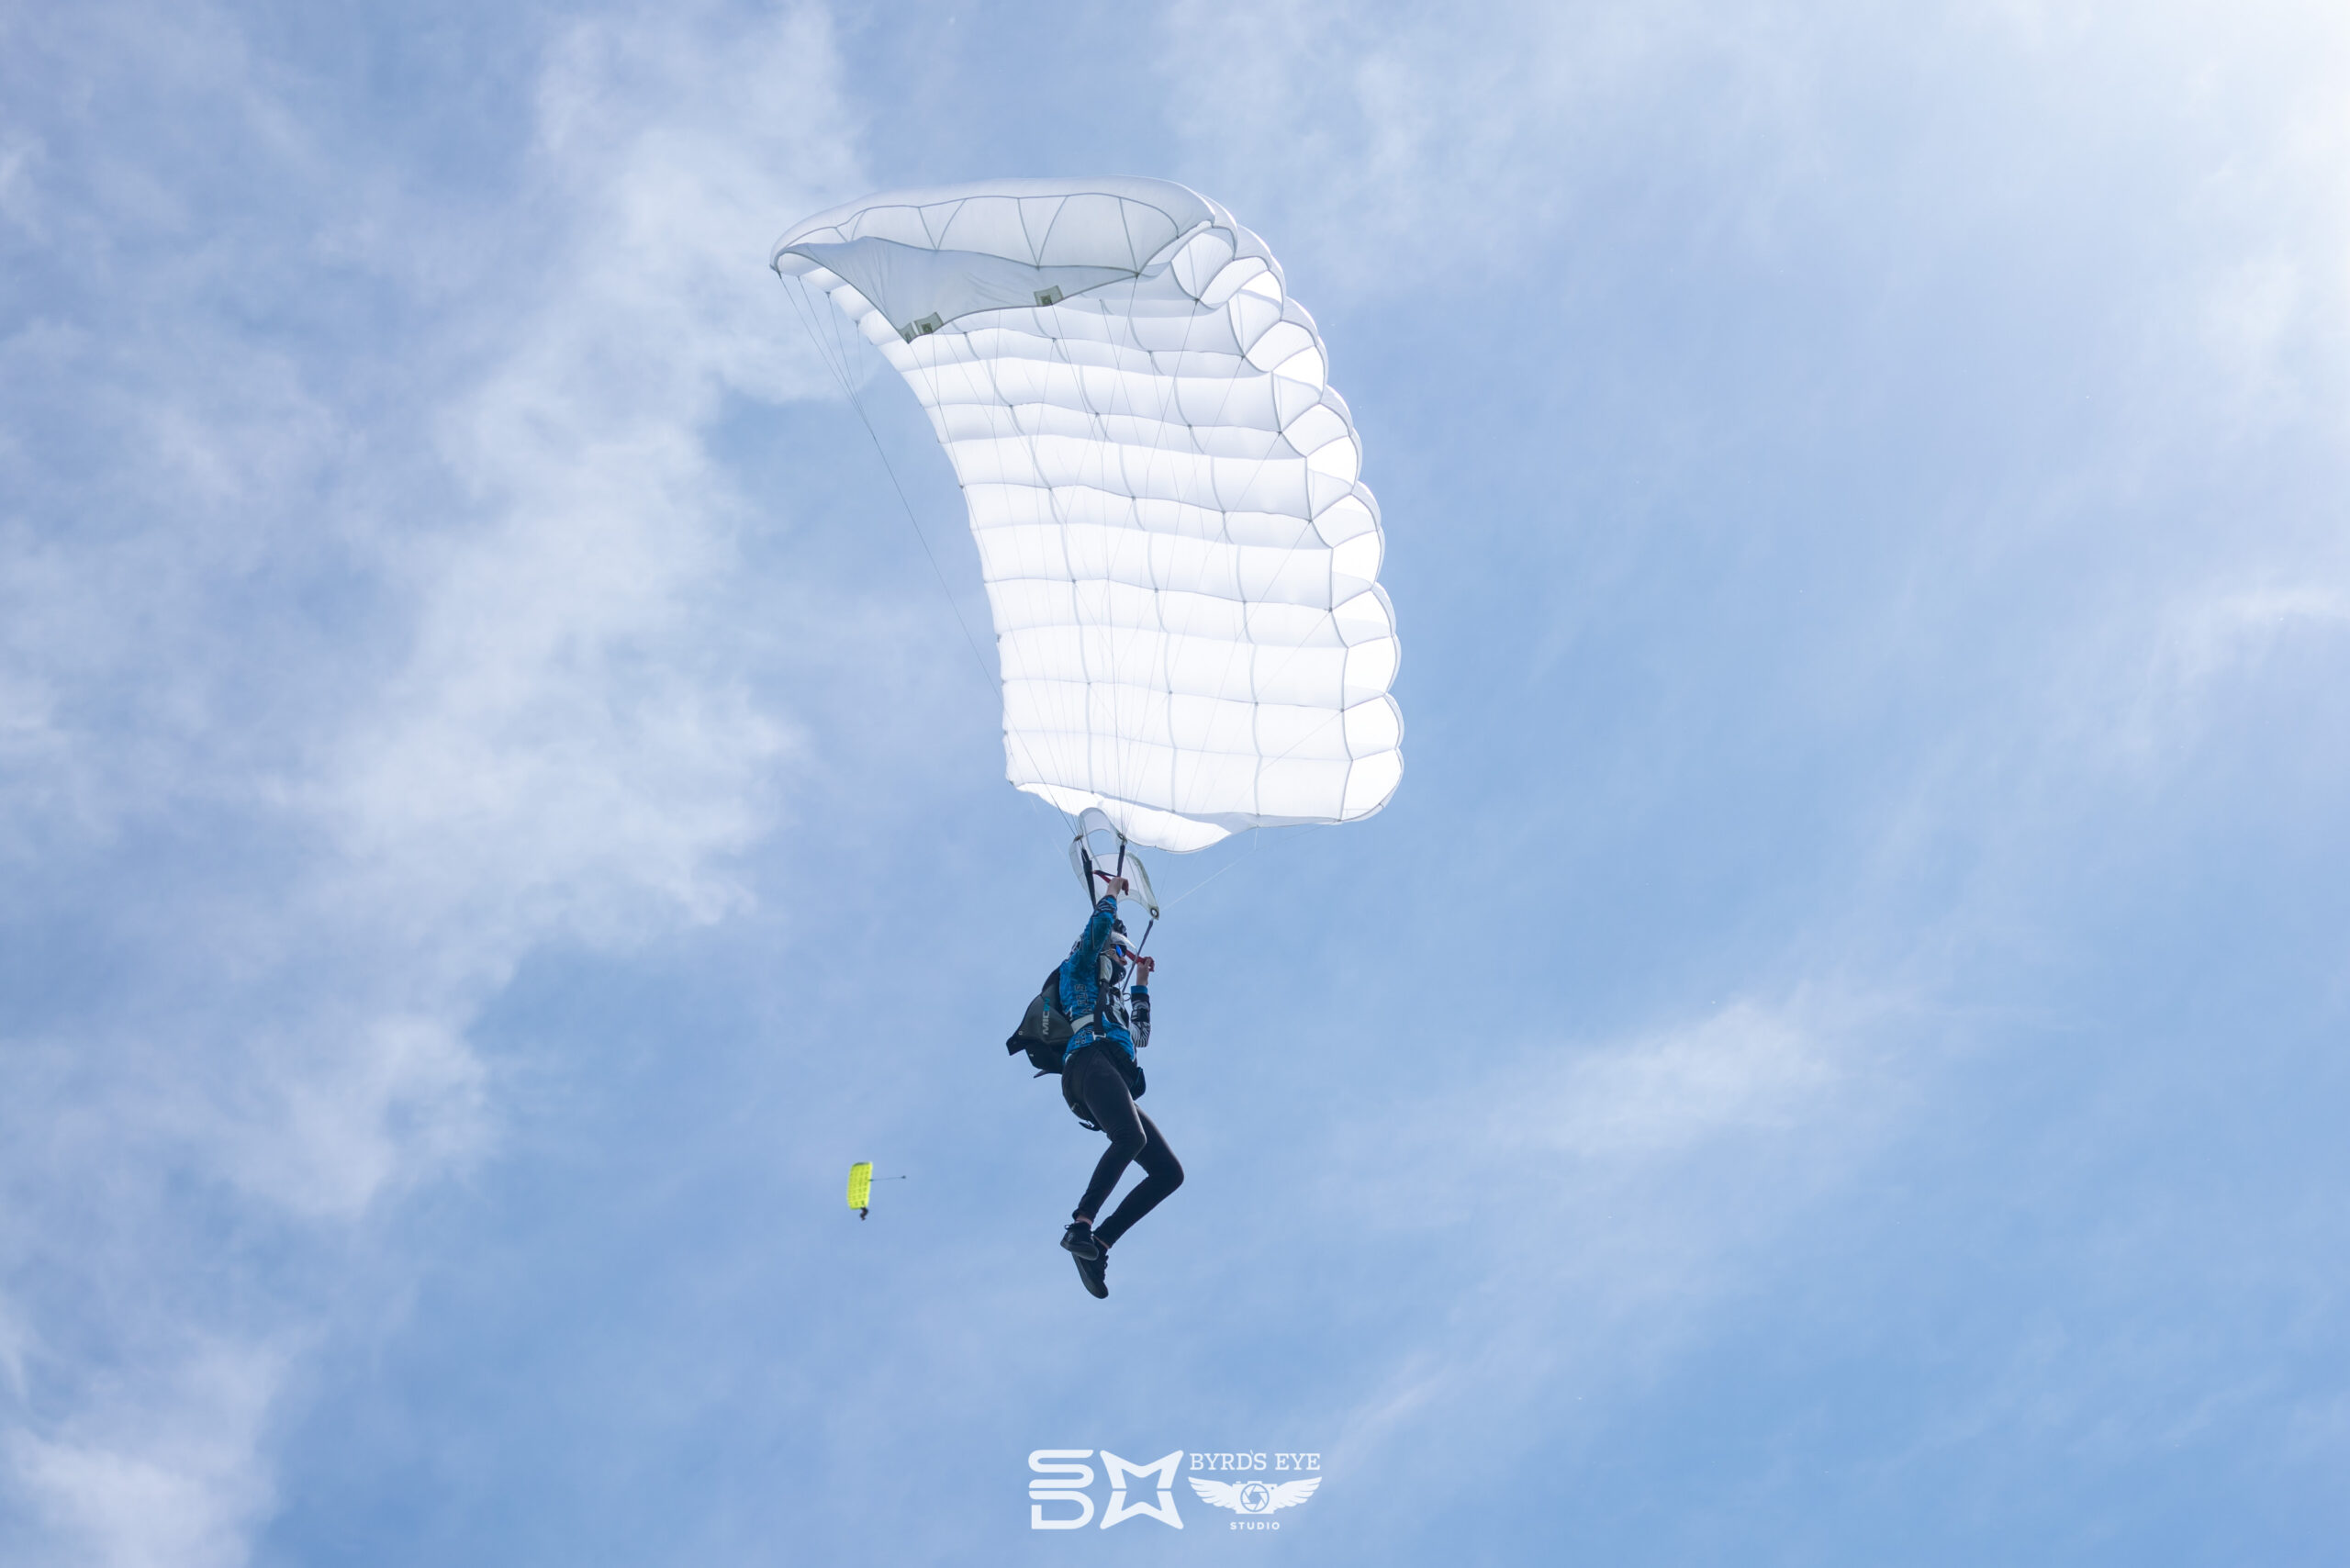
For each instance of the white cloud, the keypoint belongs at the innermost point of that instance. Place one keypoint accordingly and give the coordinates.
(165, 1475)
(1746, 1068)
(1601, 1202)
(1402, 150)
(523, 707)
(18, 158)
(2234, 626)
(2210, 640)
(566, 722)
(349, 1116)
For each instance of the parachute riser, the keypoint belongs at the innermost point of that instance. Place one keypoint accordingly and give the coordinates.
(1091, 823)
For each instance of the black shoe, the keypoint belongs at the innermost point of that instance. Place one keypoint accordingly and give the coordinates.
(1091, 1271)
(1079, 1238)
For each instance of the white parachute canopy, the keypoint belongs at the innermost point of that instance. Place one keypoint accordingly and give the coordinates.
(1180, 560)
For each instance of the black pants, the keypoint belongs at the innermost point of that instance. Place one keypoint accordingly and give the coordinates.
(1092, 1079)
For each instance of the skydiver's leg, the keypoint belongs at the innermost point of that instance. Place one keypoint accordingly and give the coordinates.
(1101, 1089)
(1162, 1173)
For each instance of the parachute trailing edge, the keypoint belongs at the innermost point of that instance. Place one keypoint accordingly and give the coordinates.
(1180, 555)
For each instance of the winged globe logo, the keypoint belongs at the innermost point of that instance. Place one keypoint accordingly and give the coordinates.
(1255, 1497)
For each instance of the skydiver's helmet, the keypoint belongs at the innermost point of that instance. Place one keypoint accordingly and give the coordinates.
(1118, 952)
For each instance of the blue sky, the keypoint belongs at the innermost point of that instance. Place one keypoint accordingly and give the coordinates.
(1835, 1053)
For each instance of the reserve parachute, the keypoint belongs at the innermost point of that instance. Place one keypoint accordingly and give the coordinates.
(1181, 561)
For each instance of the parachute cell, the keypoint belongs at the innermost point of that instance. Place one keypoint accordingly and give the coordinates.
(1180, 559)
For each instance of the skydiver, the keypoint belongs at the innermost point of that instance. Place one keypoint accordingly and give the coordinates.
(1101, 1079)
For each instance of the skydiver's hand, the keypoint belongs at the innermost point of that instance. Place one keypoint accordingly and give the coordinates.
(1116, 884)
(1143, 966)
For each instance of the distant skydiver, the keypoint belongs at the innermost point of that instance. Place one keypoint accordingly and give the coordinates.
(1101, 1079)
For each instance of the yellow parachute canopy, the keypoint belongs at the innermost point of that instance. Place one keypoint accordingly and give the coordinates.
(860, 1187)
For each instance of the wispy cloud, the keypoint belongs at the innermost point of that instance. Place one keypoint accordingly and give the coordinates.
(1430, 152)
(167, 1470)
(1597, 1207)
(331, 686)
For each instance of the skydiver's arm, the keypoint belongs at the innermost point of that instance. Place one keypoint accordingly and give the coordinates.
(1097, 932)
(1138, 1004)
